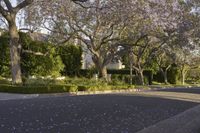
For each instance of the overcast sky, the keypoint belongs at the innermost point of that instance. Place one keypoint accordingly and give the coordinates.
(13, 2)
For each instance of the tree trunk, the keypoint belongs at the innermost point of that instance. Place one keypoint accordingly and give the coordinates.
(15, 49)
(183, 79)
(164, 73)
(103, 72)
(183, 74)
(141, 77)
(165, 77)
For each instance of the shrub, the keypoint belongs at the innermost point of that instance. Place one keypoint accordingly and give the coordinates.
(4, 55)
(173, 75)
(72, 89)
(34, 89)
(71, 56)
(41, 65)
(42, 82)
(31, 64)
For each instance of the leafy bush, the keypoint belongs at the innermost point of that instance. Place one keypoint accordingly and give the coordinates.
(42, 82)
(120, 75)
(41, 65)
(4, 55)
(173, 74)
(4, 81)
(31, 64)
(193, 76)
(35, 89)
(41, 85)
(71, 56)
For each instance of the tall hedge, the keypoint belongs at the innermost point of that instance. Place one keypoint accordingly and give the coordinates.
(71, 56)
(4, 55)
(32, 64)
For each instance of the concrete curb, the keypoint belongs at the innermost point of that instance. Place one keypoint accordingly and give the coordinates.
(104, 92)
(186, 122)
(8, 96)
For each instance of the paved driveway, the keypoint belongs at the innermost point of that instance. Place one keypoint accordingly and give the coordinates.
(86, 114)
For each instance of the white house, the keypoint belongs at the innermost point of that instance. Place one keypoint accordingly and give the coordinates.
(87, 61)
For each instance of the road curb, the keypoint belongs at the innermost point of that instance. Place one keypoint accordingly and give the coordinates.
(186, 122)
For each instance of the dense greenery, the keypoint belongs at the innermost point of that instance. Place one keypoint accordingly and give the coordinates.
(159, 36)
(121, 75)
(47, 63)
(32, 86)
(4, 56)
(71, 56)
(172, 76)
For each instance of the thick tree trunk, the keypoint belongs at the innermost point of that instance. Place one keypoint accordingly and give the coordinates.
(103, 72)
(15, 49)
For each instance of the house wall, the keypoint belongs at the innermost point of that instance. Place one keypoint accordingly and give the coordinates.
(117, 65)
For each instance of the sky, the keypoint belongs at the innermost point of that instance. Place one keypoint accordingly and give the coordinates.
(19, 20)
(13, 2)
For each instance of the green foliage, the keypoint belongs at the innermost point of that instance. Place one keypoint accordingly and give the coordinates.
(173, 74)
(4, 55)
(193, 76)
(71, 56)
(35, 86)
(35, 89)
(4, 81)
(88, 73)
(41, 65)
(122, 75)
(42, 82)
(31, 64)
(158, 77)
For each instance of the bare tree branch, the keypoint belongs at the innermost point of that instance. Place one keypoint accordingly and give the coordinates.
(8, 5)
(22, 5)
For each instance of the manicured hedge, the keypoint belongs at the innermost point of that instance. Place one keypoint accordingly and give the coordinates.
(35, 89)
(89, 73)
(58, 88)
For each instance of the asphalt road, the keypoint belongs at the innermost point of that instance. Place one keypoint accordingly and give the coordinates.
(86, 114)
(194, 90)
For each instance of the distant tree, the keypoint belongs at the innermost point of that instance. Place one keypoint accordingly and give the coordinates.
(186, 60)
(164, 58)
